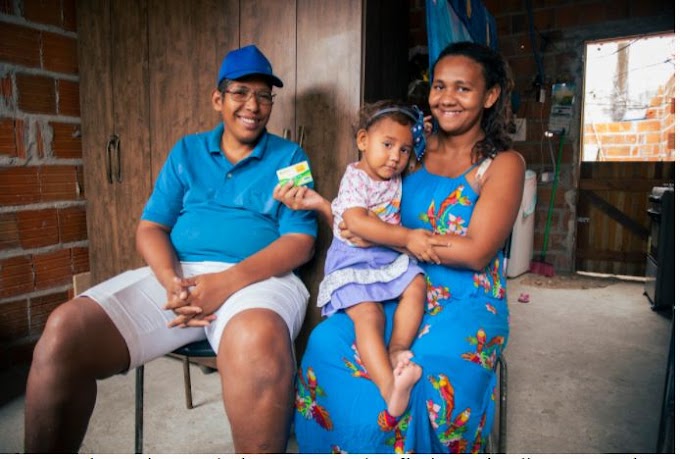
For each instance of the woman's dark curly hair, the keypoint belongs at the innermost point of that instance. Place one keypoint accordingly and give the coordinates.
(496, 71)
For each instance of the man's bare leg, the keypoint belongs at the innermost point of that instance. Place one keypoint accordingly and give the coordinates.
(256, 365)
(79, 345)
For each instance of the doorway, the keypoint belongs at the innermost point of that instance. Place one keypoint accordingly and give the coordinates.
(627, 148)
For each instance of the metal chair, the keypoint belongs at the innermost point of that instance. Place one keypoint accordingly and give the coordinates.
(501, 369)
(198, 349)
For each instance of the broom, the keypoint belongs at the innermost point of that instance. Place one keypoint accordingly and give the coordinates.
(541, 266)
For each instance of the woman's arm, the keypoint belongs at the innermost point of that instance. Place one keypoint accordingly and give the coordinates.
(368, 229)
(303, 198)
(153, 244)
(500, 196)
(364, 224)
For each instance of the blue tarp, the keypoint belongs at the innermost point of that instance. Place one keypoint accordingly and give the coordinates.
(451, 21)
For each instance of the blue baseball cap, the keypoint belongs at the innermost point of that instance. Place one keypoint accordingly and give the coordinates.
(245, 61)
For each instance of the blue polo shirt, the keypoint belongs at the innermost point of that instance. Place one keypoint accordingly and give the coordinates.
(219, 211)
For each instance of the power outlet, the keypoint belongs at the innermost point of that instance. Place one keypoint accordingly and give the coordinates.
(518, 129)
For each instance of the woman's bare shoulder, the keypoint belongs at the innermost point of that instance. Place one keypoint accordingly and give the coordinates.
(507, 165)
(508, 161)
(511, 157)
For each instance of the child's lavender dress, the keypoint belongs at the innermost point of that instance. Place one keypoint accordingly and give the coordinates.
(353, 274)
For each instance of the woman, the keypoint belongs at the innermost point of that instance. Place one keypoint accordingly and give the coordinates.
(468, 188)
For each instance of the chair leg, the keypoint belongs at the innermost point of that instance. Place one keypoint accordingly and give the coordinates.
(490, 447)
(498, 446)
(139, 409)
(503, 419)
(187, 384)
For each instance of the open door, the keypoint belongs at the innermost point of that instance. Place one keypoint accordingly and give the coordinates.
(627, 148)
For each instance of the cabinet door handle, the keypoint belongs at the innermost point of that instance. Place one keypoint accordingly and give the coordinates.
(119, 170)
(286, 134)
(109, 172)
(301, 136)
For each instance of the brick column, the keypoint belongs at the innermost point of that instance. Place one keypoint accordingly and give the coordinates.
(43, 233)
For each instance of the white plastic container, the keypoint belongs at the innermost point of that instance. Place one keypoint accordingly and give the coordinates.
(522, 240)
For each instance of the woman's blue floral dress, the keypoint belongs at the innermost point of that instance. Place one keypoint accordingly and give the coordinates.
(465, 327)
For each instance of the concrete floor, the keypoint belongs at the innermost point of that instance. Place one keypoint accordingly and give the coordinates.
(586, 364)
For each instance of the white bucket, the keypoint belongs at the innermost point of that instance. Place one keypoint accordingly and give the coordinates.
(522, 239)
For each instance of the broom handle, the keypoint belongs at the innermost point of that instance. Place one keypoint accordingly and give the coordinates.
(553, 192)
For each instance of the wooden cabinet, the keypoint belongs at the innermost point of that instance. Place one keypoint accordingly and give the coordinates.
(114, 92)
(148, 68)
(316, 49)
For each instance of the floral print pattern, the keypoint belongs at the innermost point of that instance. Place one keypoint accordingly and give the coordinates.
(462, 333)
(306, 400)
(441, 220)
(357, 367)
(435, 297)
(485, 353)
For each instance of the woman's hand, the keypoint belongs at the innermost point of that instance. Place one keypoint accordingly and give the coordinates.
(303, 198)
(179, 300)
(184, 312)
(298, 197)
(428, 124)
(421, 244)
(195, 300)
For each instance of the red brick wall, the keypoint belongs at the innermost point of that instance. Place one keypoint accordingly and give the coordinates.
(650, 139)
(562, 27)
(43, 235)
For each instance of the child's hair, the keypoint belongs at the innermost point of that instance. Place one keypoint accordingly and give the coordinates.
(496, 71)
(406, 115)
(397, 111)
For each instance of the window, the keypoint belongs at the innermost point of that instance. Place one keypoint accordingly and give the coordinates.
(629, 99)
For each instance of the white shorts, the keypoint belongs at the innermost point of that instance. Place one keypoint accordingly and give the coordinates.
(134, 301)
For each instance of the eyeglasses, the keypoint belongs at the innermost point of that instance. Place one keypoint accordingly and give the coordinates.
(243, 95)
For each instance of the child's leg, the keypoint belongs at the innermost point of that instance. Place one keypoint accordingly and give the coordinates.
(369, 326)
(407, 320)
(394, 384)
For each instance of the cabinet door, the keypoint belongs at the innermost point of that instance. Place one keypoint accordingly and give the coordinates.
(114, 102)
(148, 69)
(315, 47)
(270, 25)
(328, 95)
(187, 42)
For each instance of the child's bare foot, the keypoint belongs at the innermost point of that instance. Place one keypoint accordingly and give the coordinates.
(400, 356)
(406, 374)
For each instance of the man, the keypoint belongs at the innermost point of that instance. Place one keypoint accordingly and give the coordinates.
(220, 254)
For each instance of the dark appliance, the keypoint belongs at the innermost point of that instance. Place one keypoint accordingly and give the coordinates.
(665, 443)
(660, 269)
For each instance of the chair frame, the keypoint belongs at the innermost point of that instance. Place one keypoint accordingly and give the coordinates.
(501, 368)
(187, 352)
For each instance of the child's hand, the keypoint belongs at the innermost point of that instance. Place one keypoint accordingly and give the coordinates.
(298, 197)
